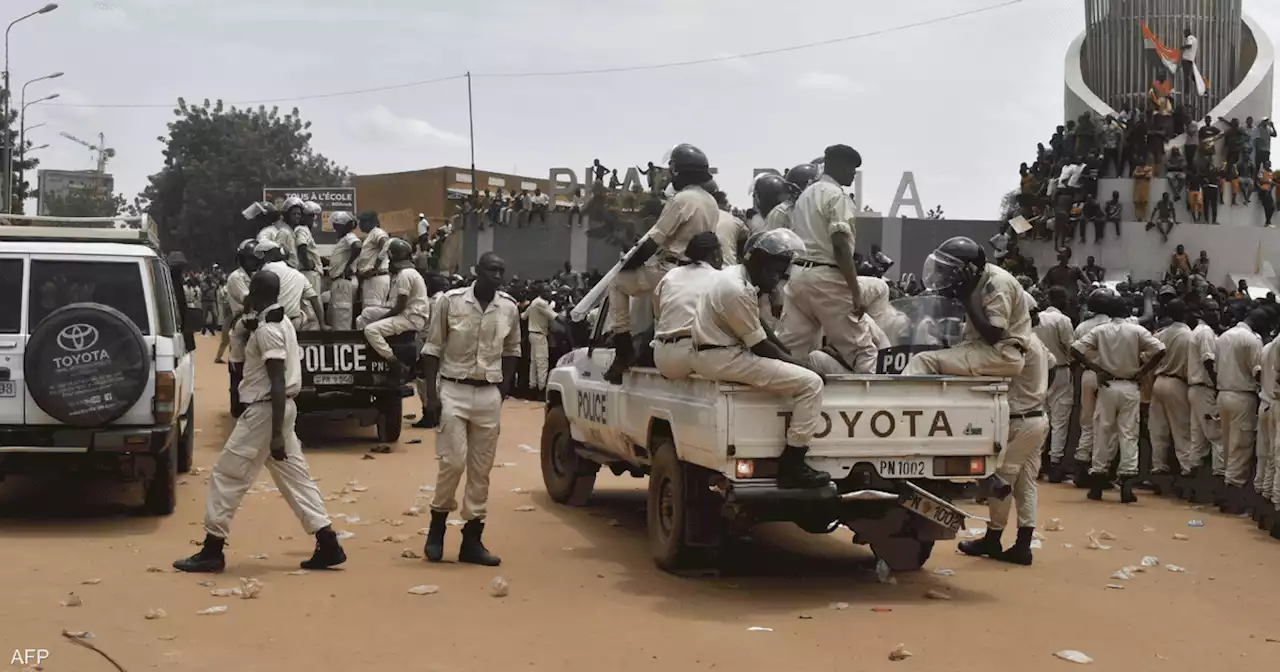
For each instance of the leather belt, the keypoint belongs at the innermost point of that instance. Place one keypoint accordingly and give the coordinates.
(672, 339)
(805, 263)
(1029, 414)
(1170, 375)
(469, 382)
(704, 347)
(1241, 391)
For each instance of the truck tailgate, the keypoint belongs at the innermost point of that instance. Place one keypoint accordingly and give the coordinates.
(882, 417)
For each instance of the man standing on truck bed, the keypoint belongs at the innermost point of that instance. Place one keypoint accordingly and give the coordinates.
(279, 228)
(305, 243)
(294, 288)
(342, 273)
(675, 301)
(411, 310)
(1019, 463)
(732, 346)
(997, 332)
(474, 378)
(823, 296)
(247, 263)
(272, 378)
(691, 211)
(372, 265)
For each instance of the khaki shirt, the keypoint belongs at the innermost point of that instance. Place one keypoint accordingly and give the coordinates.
(1268, 369)
(1178, 349)
(1007, 306)
(690, 212)
(1027, 390)
(237, 290)
(409, 282)
(822, 211)
(540, 314)
(1055, 334)
(1239, 350)
(281, 235)
(732, 232)
(341, 255)
(302, 238)
(675, 299)
(373, 251)
(1088, 325)
(1119, 347)
(780, 216)
(271, 340)
(469, 340)
(728, 312)
(1204, 347)
(294, 288)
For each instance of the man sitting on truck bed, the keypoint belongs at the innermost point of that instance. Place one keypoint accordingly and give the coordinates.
(732, 346)
(675, 300)
(411, 310)
(997, 333)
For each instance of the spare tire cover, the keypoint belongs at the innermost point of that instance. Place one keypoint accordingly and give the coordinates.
(86, 364)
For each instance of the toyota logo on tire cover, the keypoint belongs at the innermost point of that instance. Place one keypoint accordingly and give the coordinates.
(87, 364)
(78, 337)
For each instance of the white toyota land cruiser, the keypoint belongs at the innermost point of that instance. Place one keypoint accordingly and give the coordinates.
(94, 372)
(898, 449)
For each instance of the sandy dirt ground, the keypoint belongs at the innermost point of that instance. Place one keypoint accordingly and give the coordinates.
(583, 592)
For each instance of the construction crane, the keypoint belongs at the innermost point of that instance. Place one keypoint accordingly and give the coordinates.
(104, 154)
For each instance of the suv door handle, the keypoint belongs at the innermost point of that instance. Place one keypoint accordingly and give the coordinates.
(8, 346)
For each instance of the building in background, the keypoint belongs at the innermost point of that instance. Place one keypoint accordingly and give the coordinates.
(53, 183)
(435, 192)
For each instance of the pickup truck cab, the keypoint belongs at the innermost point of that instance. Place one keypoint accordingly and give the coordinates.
(342, 376)
(898, 449)
(94, 371)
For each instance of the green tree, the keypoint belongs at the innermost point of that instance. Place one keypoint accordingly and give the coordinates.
(935, 213)
(217, 161)
(21, 169)
(84, 201)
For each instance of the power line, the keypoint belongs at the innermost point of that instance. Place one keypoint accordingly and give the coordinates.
(573, 73)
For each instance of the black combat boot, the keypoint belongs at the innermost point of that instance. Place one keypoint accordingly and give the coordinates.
(473, 550)
(1096, 482)
(1275, 527)
(1081, 477)
(623, 352)
(1020, 552)
(1056, 473)
(1232, 500)
(434, 548)
(1126, 488)
(988, 546)
(209, 560)
(794, 473)
(328, 551)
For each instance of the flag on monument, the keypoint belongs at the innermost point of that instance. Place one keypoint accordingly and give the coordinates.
(1171, 56)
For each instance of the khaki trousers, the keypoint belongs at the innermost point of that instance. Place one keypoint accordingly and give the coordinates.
(1018, 465)
(1060, 401)
(246, 451)
(1170, 424)
(1115, 416)
(1263, 475)
(377, 332)
(800, 386)
(819, 302)
(466, 442)
(631, 284)
(1206, 428)
(1088, 404)
(967, 359)
(1239, 411)
(342, 297)
(539, 356)
(674, 360)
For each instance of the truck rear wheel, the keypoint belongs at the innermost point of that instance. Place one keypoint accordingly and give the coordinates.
(390, 423)
(568, 477)
(903, 554)
(162, 490)
(187, 441)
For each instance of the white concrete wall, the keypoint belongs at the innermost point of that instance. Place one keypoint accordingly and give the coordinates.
(1228, 216)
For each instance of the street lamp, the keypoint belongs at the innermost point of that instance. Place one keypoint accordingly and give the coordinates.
(22, 116)
(4, 109)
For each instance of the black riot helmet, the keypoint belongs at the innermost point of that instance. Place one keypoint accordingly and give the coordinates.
(1101, 299)
(802, 176)
(945, 268)
(685, 159)
(399, 250)
(245, 257)
(767, 192)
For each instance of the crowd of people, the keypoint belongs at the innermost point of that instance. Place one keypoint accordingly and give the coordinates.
(1059, 193)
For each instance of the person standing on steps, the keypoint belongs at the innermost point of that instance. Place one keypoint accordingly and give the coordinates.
(473, 347)
(264, 436)
(1119, 353)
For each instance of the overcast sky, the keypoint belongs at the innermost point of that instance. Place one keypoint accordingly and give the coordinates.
(960, 103)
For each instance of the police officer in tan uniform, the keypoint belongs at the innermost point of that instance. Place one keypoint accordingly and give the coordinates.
(689, 212)
(1239, 351)
(1055, 333)
(798, 179)
(1119, 353)
(997, 332)
(264, 436)
(675, 301)
(1019, 463)
(473, 347)
(1268, 373)
(733, 346)
(823, 296)
(540, 315)
(1083, 455)
(1202, 399)
(1169, 417)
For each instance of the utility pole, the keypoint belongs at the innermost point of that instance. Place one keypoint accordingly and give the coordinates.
(471, 122)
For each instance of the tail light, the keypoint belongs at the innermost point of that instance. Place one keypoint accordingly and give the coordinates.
(959, 466)
(164, 405)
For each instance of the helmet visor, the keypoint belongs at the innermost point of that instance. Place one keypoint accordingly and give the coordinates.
(941, 271)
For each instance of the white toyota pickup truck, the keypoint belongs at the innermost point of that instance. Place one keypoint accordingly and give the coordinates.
(898, 450)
